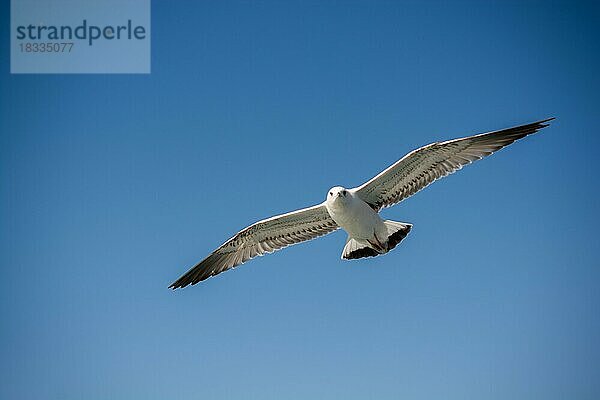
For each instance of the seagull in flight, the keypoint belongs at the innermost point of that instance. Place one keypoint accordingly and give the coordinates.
(356, 210)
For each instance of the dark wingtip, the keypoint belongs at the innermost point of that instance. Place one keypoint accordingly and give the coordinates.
(182, 282)
(546, 120)
(543, 123)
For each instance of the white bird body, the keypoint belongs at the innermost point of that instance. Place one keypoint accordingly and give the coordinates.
(368, 234)
(356, 210)
(353, 215)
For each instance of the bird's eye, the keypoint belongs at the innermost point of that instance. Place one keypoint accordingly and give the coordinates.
(331, 193)
(344, 192)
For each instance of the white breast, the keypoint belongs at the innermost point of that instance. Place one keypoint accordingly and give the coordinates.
(354, 216)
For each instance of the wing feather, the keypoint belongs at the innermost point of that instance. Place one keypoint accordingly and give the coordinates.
(261, 238)
(423, 166)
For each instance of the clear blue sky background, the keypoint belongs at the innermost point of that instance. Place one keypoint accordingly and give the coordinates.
(112, 186)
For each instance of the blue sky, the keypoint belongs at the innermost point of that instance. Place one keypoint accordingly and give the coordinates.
(114, 185)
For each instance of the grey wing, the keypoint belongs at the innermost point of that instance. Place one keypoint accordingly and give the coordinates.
(423, 166)
(263, 237)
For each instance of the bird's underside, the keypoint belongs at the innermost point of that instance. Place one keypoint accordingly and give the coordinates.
(357, 210)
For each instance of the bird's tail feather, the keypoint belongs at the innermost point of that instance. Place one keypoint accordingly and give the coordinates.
(358, 249)
(355, 248)
(396, 232)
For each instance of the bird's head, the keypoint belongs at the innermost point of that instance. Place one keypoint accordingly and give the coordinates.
(337, 193)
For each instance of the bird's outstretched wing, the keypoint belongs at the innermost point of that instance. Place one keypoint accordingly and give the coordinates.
(421, 167)
(263, 237)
